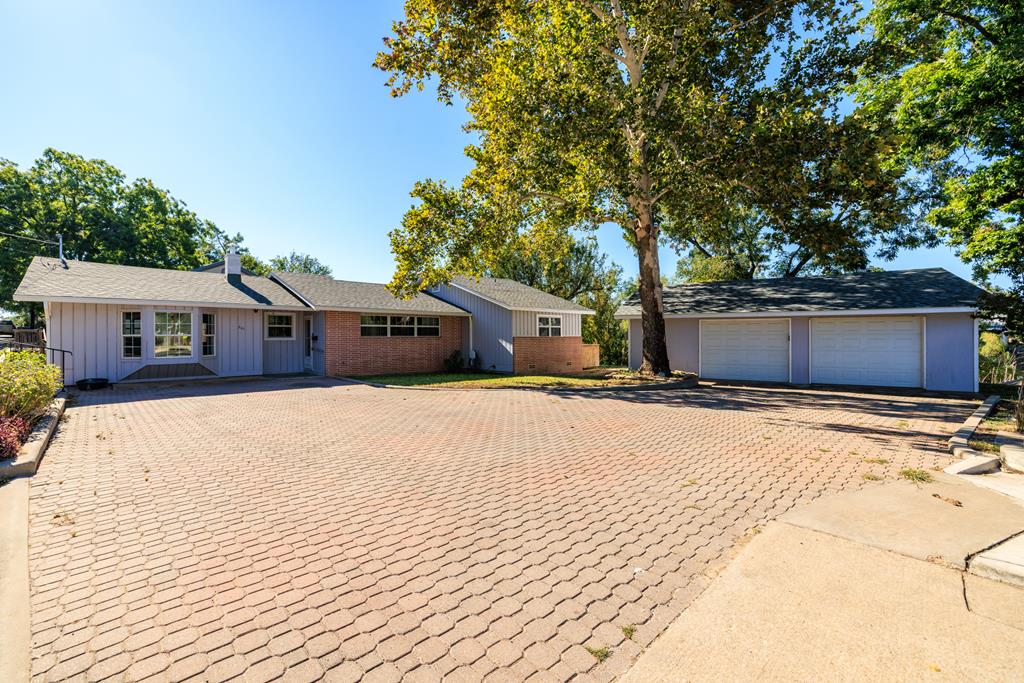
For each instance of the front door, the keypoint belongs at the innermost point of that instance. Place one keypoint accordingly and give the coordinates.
(307, 343)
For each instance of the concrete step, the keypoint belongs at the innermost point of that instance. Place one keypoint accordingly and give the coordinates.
(1012, 456)
(976, 464)
(1005, 562)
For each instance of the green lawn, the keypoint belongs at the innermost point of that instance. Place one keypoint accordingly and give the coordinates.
(470, 380)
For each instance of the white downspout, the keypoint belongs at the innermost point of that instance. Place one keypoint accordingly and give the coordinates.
(977, 369)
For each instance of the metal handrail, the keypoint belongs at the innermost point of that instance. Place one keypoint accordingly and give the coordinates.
(64, 353)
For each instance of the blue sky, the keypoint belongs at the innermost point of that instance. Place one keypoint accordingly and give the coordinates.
(265, 118)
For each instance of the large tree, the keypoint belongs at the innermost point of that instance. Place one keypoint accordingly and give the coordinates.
(645, 113)
(100, 213)
(949, 75)
(296, 262)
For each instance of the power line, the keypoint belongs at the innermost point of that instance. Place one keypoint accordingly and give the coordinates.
(26, 237)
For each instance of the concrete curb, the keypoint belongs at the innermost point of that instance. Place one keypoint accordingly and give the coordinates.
(1012, 457)
(15, 654)
(687, 383)
(971, 461)
(31, 453)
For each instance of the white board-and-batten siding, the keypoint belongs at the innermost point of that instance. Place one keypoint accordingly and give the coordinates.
(92, 333)
(492, 327)
(525, 323)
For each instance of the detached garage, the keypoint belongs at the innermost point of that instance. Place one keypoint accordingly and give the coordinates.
(909, 328)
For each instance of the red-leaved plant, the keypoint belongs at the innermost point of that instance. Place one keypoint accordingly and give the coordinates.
(13, 432)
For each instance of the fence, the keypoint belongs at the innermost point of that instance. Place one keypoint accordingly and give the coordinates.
(591, 355)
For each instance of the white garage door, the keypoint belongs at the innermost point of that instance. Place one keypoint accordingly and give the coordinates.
(745, 349)
(873, 351)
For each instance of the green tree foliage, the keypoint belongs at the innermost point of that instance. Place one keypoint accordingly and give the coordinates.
(101, 214)
(949, 75)
(745, 244)
(652, 114)
(299, 263)
(572, 269)
(996, 360)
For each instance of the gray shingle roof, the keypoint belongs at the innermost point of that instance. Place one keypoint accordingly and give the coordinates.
(516, 295)
(327, 293)
(895, 289)
(46, 279)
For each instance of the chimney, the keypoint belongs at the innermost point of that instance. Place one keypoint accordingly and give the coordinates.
(233, 266)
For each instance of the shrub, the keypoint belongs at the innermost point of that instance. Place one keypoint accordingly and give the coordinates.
(27, 384)
(453, 363)
(13, 432)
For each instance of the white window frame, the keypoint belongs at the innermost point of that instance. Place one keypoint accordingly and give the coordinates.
(191, 335)
(549, 325)
(266, 327)
(437, 326)
(415, 326)
(142, 348)
(203, 335)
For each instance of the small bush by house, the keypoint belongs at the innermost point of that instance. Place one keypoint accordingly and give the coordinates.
(27, 384)
(13, 432)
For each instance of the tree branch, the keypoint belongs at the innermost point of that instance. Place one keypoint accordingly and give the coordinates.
(699, 248)
(973, 22)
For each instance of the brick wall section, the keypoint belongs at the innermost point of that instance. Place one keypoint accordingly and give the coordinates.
(547, 355)
(346, 353)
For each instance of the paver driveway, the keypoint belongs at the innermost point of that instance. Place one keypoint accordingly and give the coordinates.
(307, 529)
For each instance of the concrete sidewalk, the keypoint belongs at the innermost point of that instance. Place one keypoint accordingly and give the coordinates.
(853, 588)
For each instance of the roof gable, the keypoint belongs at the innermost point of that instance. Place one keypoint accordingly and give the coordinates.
(897, 289)
(516, 296)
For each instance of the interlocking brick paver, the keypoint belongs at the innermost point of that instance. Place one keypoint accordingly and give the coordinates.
(309, 529)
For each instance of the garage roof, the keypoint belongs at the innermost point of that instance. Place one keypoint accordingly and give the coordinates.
(47, 279)
(324, 292)
(894, 289)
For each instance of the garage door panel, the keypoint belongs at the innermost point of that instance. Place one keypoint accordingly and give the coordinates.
(869, 351)
(745, 349)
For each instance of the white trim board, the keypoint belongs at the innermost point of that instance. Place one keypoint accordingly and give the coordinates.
(145, 302)
(808, 314)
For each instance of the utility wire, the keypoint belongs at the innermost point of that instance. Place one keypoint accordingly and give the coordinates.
(26, 237)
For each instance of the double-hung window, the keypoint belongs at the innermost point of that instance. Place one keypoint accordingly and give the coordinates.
(131, 334)
(172, 334)
(549, 326)
(209, 334)
(280, 326)
(399, 326)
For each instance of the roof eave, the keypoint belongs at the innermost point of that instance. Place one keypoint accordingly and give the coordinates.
(152, 302)
(804, 313)
(393, 311)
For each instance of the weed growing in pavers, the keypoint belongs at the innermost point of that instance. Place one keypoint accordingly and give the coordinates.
(916, 475)
(871, 476)
(63, 519)
(600, 653)
(629, 631)
(877, 461)
(902, 424)
(688, 482)
(825, 450)
(693, 507)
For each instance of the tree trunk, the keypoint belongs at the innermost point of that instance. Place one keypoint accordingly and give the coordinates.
(655, 358)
